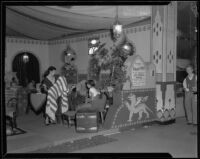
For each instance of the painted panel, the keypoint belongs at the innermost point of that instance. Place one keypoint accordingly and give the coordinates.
(170, 38)
(159, 97)
(137, 106)
(139, 74)
(170, 99)
(157, 43)
(158, 77)
(169, 77)
(165, 110)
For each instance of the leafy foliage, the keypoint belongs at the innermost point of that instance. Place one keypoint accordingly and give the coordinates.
(103, 60)
(70, 72)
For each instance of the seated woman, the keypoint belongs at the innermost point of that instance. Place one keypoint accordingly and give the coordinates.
(75, 99)
(95, 102)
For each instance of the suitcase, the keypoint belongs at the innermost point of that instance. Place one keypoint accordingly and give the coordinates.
(87, 122)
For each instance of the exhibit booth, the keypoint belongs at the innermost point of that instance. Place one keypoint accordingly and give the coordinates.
(147, 91)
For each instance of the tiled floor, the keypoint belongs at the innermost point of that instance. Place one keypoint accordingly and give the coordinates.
(179, 139)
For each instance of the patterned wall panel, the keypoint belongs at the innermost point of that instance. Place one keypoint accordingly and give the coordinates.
(169, 77)
(170, 101)
(26, 41)
(165, 95)
(157, 43)
(170, 38)
(159, 101)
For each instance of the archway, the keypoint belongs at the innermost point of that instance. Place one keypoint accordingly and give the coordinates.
(27, 67)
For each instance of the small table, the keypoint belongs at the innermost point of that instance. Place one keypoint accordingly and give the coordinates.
(37, 100)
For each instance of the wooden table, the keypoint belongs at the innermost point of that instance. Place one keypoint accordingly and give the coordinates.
(37, 100)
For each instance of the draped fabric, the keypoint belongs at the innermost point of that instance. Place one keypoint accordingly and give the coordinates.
(59, 89)
(54, 22)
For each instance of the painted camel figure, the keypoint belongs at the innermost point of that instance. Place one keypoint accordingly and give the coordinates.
(137, 106)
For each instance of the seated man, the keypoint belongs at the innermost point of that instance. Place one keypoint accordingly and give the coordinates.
(96, 100)
(77, 95)
(75, 99)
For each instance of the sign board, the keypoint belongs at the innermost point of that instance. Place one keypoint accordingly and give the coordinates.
(138, 73)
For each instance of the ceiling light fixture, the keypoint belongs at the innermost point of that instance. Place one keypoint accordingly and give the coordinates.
(117, 27)
(25, 58)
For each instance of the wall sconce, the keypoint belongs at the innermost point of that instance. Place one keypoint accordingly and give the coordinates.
(93, 45)
(25, 58)
(117, 27)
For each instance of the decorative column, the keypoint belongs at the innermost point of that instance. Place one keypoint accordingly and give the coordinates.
(163, 55)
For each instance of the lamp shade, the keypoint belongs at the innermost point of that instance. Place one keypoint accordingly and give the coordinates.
(117, 29)
(25, 58)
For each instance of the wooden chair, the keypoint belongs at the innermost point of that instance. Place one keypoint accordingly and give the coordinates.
(11, 112)
(70, 117)
(99, 105)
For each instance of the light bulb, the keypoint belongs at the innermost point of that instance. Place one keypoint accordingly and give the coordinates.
(94, 41)
(126, 47)
(25, 58)
(117, 28)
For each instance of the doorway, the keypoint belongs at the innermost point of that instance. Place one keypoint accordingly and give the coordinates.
(27, 67)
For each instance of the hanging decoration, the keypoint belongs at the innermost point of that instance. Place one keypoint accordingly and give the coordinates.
(25, 58)
(117, 26)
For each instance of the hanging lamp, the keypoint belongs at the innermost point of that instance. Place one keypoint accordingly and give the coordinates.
(117, 26)
(25, 58)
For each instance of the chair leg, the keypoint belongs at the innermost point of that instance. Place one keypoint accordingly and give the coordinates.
(14, 121)
(102, 117)
(10, 121)
(62, 119)
(69, 121)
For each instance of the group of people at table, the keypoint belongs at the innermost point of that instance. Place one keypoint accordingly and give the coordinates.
(76, 101)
